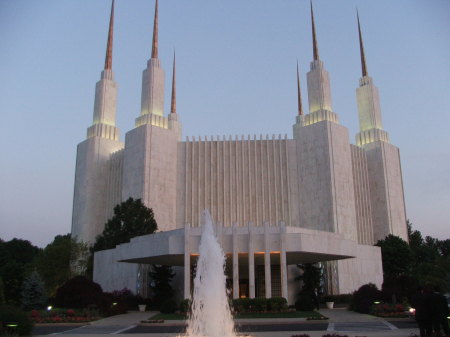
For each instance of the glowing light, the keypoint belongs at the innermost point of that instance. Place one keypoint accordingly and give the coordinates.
(412, 310)
(115, 303)
(376, 302)
(12, 325)
(49, 308)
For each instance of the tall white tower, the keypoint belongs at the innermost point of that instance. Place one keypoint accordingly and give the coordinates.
(326, 196)
(89, 202)
(152, 96)
(151, 148)
(383, 159)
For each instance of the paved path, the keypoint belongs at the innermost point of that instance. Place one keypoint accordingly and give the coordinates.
(340, 321)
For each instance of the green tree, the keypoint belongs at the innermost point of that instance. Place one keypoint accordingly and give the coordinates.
(131, 218)
(2, 292)
(160, 283)
(431, 259)
(396, 256)
(17, 259)
(33, 295)
(60, 260)
(311, 277)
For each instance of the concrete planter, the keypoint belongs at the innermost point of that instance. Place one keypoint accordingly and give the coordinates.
(330, 305)
(142, 307)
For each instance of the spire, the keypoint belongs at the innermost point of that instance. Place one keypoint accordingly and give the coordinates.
(155, 34)
(173, 106)
(108, 58)
(315, 49)
(299, 94)
(361, 48)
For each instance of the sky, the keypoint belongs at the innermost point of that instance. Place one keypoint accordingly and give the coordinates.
(236, 64)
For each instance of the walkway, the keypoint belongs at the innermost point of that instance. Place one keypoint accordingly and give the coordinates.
(340, 321)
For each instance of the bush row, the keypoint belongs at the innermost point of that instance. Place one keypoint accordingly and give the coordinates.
(337, 299)
(14, 322)
(242, 305)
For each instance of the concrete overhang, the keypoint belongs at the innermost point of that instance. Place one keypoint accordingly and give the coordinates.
(301, 245)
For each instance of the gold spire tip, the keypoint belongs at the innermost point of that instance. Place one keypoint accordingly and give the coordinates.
(173, 106)
(109, 46)
(361, 48)
(155, 33)
(299, 94)
(315, 49)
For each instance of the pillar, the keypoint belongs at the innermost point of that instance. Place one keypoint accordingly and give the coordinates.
(187, 262)
(235, 262)
(283, 266)
(251, 260)
(267, 275)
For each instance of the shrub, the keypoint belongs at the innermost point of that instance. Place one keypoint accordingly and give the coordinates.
(260, 304)
(277, 303)
(111, 304)
(344, 298)
(242, 304)
(304, 303)
(13, 315)
(185, 305)
(168, 306)
(364, 298)
(78, 292)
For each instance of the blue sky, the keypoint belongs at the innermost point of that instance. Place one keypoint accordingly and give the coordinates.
(235, 75)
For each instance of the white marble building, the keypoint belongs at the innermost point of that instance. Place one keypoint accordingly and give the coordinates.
(277, 201)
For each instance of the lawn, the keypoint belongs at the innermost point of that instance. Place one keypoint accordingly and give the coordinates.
(290, 314)
(168, 317)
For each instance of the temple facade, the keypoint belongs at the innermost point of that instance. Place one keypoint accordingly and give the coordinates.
(276, 201)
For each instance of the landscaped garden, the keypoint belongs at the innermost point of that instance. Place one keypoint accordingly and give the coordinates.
(56, 315)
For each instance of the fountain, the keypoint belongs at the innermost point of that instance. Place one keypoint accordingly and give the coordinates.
(210, 311)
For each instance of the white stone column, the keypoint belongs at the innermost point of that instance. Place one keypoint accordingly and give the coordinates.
(283, 266)
(267, 269)
(251, 260)
(235, 262)
(187, 262)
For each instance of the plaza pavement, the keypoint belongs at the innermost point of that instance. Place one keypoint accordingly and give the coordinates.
(341, 321)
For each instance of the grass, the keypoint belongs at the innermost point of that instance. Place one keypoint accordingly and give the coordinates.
(290, 314)
(169, 317)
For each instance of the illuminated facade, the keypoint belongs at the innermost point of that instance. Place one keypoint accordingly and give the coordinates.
(277, 201)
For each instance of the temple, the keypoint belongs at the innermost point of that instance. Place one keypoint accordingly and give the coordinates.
(276, 201)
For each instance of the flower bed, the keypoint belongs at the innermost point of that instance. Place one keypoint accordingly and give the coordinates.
(64, 316)
(389, 310)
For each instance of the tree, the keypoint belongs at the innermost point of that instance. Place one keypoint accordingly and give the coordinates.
(161, 278)
(131, 218)
(33, 292)
(16, 262)
(60, 260)
(311, 277)
(431, 259)
(78, 292)
(2, 292)
(396, 256)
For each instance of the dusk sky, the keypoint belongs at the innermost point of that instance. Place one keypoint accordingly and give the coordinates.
(236, 64)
